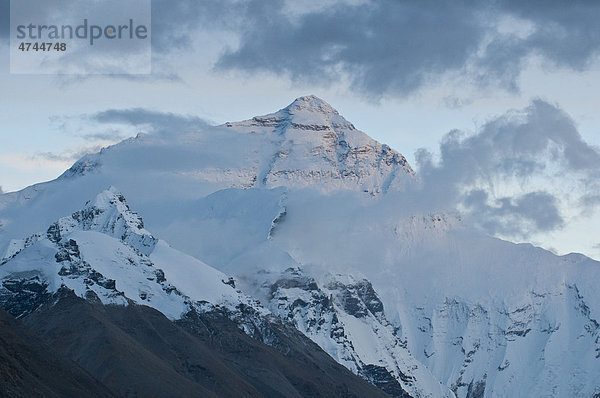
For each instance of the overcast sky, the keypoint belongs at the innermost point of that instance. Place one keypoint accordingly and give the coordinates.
(493, 102)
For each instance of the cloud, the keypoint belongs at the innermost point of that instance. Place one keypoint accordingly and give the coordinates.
(152, 120)
(453, 102)
(565, 32)
(107, 135)
(4, 19)
(514, 216)
(508, 177)
(496, 175)
(66, 157)
(396, 47)
(46, 161)
(174, 24)
(383, 47)
(590, 201)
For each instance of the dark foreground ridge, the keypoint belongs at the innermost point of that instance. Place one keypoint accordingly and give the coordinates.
(101, 351)
(31, 368)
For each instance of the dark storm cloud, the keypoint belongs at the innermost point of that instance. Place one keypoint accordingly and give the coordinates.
(538, 141)
(156, 121)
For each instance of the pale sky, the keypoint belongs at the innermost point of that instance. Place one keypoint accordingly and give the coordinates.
(406, 73)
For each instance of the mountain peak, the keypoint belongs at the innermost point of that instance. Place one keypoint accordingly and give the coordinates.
(306, 113)
(310, 103)
(110, 214)
(312, 143)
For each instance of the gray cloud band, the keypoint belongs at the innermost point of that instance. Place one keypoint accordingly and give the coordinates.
(388, 47)
(155, 121)
(395, 47)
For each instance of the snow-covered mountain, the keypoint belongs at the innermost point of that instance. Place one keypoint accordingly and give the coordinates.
(103, 252)
(310, 218)
(346, 318)
(315, 146)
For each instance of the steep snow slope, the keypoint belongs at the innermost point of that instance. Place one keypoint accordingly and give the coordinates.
(287, 190)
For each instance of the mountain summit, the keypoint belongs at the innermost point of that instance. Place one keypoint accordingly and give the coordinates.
(304, 111)
(313, 145)
(311, 103)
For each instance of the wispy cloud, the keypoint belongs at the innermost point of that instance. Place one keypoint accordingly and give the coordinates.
(51, 159)
(111, 135)
(152, 120)
(68, 156)
(22, 161)
(513, 177)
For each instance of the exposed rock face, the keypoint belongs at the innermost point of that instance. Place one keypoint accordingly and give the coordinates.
(23, 294)
(347, 319)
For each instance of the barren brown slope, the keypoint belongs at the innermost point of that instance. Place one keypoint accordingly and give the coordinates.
(137, 351)
(30, 368)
